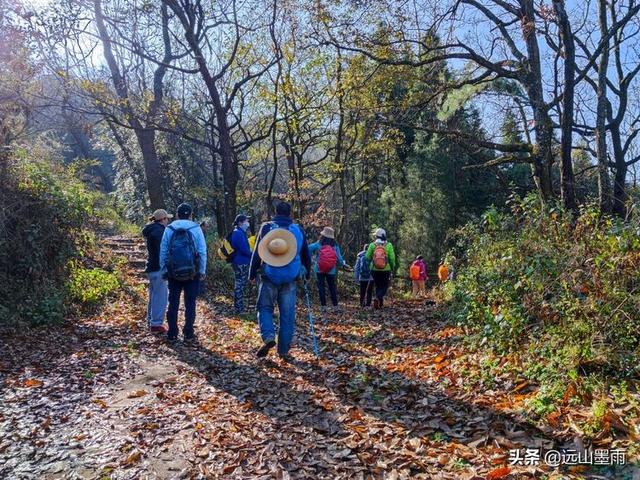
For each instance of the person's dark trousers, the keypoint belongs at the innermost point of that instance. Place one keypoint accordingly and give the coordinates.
(190, 289)
(333, 290)
(366, 293)
(241, 273)
(381, 280)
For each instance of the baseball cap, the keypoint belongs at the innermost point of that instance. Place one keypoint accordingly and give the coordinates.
(184, 210)
(240, 218)
(159, 214)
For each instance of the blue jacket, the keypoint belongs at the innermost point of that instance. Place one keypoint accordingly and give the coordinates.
(240, 244)
(284, 274)
(198, 240)
(314, 249)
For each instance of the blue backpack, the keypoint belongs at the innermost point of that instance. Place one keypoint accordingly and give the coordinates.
(182, 261)
(363, 268)
(287, 273)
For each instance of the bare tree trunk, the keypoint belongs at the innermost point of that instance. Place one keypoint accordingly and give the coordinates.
(567, 181)
(620, 196)
(604, 185)
(543, 154)
(146, 139)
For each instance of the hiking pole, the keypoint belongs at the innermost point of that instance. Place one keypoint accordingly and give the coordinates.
(311, 327)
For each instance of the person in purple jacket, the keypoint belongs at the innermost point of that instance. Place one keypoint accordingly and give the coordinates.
(240, 260)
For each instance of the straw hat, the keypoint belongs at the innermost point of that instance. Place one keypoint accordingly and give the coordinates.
(278, 247)
(327, 232)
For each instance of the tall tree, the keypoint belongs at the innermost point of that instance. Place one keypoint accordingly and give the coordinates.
(566, 119)
(225, 79)
(144, 134)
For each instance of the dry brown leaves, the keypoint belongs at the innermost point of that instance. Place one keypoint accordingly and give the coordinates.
(391, 397)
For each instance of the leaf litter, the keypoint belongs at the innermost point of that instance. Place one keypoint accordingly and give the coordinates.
(101, 397)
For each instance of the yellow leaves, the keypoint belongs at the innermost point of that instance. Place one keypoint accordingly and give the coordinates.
(172, 113)
(336, 168)
(101, 403)
(440, 358)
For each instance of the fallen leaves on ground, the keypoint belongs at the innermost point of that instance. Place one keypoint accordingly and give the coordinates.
(394, 394)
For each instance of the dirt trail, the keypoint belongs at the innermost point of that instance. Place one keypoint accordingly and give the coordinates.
(101, 397)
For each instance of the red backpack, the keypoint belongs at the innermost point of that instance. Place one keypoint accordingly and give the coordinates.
(414, 271)
(380, 257)
(327, 259)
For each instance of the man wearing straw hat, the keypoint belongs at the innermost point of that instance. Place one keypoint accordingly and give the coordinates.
(280, 258)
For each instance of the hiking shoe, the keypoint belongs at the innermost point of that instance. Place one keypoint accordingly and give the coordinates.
(286, 358)
(376, 304)
(158, 329)
(264, 349)
(172, 339)
(190, 339)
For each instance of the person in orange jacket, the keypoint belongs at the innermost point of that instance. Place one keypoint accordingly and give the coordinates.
(443, 272)
(418, 276)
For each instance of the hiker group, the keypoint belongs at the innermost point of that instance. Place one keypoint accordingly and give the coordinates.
(276, 258)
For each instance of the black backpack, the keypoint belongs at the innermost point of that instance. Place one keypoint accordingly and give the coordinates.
(182, 262)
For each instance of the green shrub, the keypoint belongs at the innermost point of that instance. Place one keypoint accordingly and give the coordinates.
(90, 286)
(48, 308)
(45, 216)
(563, 289)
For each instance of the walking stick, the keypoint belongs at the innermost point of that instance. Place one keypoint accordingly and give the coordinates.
(311, 327)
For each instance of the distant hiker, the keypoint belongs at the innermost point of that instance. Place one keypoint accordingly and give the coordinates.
(204, 227)
(383, 261)
(362, 273)
(418, 276)
(280, 257)
(158, 293)
(329, 258)
(443, 272)
(241, 258)
(183, 260)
